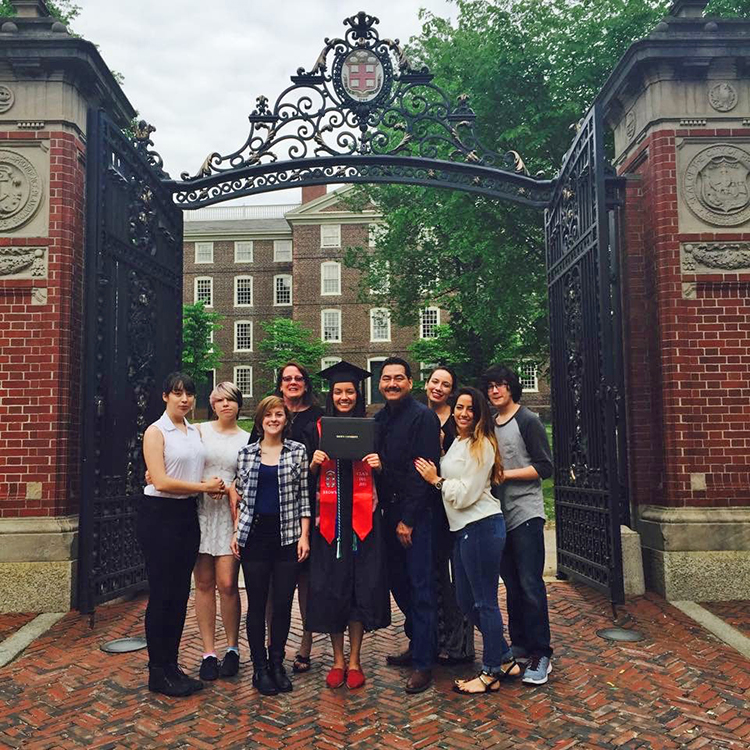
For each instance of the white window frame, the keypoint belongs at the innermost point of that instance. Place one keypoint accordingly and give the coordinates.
(210, 279)
(236, 289)
(372, 234)
(237, 324)
(322, 325)
(204, 245)
(371, 381)
(527, 377)
(237, 380)
(421, 321)
(330, 241)
(330, 264)
(276, 245)
(325, 363)
(374, 312)
(276, 302)
(237, 244)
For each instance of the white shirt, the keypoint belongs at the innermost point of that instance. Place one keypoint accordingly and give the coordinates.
(467, 483)
(184, 455)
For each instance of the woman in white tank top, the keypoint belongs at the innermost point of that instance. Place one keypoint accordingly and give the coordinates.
(216, 567)
(168, 531)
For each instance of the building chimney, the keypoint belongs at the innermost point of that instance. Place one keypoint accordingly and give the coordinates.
(312, 192)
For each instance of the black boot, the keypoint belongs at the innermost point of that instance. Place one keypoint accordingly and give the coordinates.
(160, 681)
(174, 672)
(262, 679)
(278, 673)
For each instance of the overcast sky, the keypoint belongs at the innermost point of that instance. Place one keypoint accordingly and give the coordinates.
(194, 68)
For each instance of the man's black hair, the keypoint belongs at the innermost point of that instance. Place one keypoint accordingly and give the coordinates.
(397, 361)
(178, 381)
(502, 374)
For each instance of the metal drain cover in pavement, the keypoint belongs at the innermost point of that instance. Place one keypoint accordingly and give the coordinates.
(123, 645)
(619, 634)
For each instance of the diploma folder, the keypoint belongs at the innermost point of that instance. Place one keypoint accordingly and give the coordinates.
(347, 437)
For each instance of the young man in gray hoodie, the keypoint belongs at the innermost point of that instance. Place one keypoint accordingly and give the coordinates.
(527, 460)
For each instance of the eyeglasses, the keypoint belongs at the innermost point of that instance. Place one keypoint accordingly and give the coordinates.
(393, 378)
(292, 379)
(496, 386)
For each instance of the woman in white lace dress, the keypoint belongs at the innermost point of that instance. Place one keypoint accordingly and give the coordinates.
(216, 567)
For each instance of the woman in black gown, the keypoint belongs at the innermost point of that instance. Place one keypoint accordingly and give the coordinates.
(348, 575)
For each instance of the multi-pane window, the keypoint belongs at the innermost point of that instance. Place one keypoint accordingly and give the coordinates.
(330, 278)
(330, 325)
(243, 379)
(243, 252)
(204, 290)
(429, 321)
(282, 290)
(243, 335)
(381, 278)
(330, 235)
(204, 252)
(243, 291)
(528, 374)
(282, 251)
(380, 324)
(325, 386)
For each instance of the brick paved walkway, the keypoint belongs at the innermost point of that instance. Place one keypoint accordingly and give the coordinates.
(680, 688)
(737, 614)
(10, 623)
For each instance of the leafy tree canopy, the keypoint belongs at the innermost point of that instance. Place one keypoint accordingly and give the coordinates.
(199, 355)
(64, 10)
(286, 339)
(531, 68)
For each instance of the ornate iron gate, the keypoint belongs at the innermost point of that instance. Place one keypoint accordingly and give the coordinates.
(585, 346)
(133, 301)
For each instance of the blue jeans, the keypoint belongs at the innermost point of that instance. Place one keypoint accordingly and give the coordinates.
(413, 585)
(477, 552)
(522, 572)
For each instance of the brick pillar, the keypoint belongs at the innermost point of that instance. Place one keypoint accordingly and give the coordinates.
(679, 104)
(42, 181)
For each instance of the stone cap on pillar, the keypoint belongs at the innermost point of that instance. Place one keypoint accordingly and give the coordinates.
(31, 8)
(688, 8)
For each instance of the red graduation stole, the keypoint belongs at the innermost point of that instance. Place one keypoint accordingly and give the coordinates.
(328, 483)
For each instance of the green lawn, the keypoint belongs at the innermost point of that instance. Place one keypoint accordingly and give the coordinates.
(245, 424)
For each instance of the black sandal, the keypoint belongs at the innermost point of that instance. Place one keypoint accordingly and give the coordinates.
(491, 683)
(506, 670)
(301, 664)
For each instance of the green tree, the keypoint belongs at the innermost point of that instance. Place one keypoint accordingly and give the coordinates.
(64, 10)
(531, 68)
(286, 339)
(199, 355)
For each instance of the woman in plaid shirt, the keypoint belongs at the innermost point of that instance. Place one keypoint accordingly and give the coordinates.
(272, 536)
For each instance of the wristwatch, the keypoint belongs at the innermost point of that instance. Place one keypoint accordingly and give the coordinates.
(439, 484)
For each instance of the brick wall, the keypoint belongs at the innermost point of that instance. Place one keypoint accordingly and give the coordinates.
(687, 346)
(40, 350)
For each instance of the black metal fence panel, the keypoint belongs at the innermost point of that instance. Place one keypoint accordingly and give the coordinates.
(133, 303)
(586, 367)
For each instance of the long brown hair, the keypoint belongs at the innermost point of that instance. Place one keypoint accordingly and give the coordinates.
(483, 430)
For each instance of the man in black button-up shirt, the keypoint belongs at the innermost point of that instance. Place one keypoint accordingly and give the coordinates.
(409, 430)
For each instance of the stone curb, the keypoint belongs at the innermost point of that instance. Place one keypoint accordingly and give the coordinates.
(14, 644)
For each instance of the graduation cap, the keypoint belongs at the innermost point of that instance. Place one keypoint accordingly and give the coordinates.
(344, 372)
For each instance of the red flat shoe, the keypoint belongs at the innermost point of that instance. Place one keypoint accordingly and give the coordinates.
(355, 678)
(336, 677)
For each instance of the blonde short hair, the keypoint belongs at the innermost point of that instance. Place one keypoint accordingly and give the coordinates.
(228, 390)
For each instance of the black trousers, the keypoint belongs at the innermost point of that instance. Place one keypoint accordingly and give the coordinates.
(264, 560)
(169, 535)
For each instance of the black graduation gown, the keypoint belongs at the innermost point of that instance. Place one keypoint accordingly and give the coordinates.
(354, 586)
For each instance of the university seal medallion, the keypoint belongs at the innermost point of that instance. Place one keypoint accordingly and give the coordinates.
(717, 185)
(20, 190)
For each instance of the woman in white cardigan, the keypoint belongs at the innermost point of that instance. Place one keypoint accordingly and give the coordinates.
(467, 472)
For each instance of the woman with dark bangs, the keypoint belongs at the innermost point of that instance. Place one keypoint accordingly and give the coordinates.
(168, 530)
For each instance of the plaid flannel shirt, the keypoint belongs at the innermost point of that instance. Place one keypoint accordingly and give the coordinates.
(294, 496)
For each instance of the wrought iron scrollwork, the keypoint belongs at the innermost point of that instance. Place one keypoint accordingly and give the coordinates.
(362, 99)
(145, 146)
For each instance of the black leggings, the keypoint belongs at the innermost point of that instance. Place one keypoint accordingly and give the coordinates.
(169, 535)
(265, 560)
